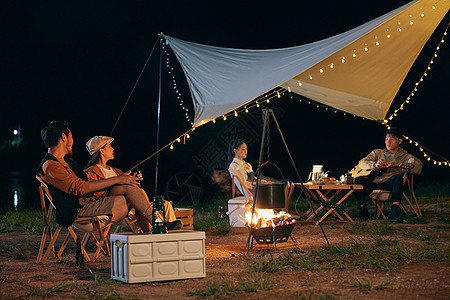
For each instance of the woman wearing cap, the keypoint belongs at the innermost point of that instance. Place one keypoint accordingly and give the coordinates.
(101, 151)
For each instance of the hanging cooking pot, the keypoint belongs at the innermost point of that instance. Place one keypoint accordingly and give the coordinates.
(270, 195)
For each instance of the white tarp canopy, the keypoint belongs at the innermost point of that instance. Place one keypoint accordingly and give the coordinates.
(358, 71)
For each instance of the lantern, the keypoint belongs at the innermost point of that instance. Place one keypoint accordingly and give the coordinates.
(158, 216)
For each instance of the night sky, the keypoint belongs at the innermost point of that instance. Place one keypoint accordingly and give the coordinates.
(78, 61)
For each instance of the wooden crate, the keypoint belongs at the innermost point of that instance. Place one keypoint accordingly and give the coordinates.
(186, 216)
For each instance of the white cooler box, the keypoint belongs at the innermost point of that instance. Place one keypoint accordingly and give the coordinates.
(236, 211)
(157, 257)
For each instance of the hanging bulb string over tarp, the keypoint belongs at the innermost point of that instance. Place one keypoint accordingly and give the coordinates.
(135, 84)
(425, 74)
(185, 135)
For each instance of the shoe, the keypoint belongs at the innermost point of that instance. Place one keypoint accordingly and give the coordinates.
(363, 214)
(394, 214)
(175, 225)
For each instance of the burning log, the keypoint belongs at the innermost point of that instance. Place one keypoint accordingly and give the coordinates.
(267, 218)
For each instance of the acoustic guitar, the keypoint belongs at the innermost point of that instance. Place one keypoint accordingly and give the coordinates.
(374, 172)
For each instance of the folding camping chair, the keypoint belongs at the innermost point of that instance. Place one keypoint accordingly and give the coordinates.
(379, 197)
(236, 182)
(88, 225)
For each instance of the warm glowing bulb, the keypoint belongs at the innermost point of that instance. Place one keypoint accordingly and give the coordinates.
(299, 83)
(388, 36)
(411, 22)
(289, 89)
(433, 7)
(278, 96)
(257, 104)
(214, 120)
(171, 147)
(188, 136)
(399, 30)
(331, 66)
(354, 55)
(310, 76)
(224, 118)
(178, 140)
(235, 113)
(343, 59)
(321, 70)
(366, 49)
(422, 15)
(246, 110)
(377, 43)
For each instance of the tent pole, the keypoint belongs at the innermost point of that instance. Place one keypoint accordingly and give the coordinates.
(159, 114)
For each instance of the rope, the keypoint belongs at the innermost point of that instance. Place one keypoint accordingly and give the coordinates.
(135, 84)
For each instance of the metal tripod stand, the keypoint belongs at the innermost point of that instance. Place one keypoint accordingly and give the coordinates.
(266, 114)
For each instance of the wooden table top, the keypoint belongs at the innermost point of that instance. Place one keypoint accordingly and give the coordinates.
(331, 186)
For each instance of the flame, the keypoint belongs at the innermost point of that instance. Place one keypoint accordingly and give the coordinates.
(265, 217)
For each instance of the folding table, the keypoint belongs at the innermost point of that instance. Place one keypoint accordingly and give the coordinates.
(324, 194)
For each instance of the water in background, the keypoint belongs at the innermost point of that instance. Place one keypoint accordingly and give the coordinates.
(19, 190)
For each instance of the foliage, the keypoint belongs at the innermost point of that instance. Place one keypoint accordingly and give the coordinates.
(29, 220)
(209, 222)
(253, 283)
(377, 227)
(272, 264)
(34, 290)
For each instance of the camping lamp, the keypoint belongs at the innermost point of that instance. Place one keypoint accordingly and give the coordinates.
(158, 216)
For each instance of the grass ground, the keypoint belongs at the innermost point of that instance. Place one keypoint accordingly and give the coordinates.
(371, 259)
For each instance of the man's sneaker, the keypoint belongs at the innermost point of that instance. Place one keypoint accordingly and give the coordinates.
(363, 213)
(175, 225)
(394, 215)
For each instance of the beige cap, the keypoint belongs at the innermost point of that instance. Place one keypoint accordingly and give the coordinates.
(98, 141)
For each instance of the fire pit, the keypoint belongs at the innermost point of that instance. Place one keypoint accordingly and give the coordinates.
(272, 235)
(269, 228)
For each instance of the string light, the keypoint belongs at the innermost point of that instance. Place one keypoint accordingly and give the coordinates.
(171, 147)
(421, 148)
(425, 74)
(177, 93)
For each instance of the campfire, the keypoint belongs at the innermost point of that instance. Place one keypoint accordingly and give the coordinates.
(267, 218)
(268, 227)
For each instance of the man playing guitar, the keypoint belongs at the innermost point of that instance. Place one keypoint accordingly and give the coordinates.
(388, 165)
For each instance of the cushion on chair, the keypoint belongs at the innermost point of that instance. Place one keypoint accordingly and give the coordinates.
(383, 195)
(90, 226)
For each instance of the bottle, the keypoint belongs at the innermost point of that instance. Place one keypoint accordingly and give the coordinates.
(221, 213)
